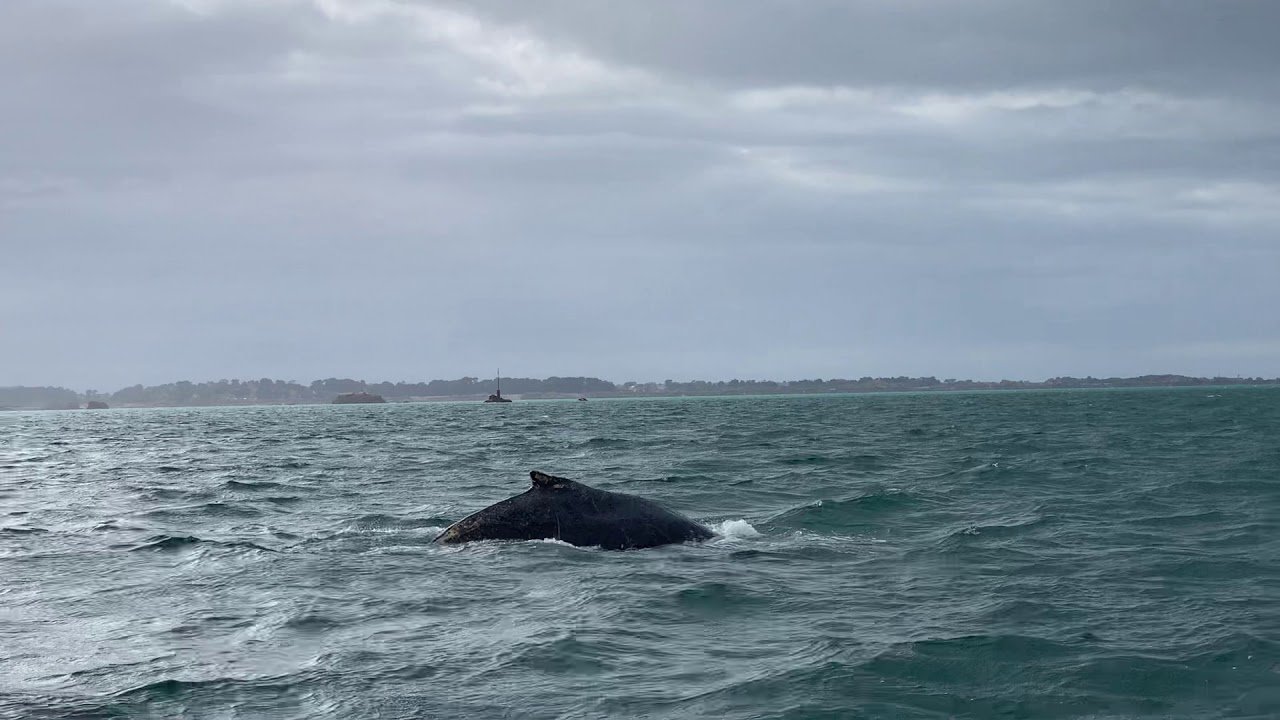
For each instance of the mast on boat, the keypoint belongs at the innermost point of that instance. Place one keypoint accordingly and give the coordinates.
(497, 396)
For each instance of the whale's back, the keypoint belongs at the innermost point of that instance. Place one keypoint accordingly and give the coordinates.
(561, 509)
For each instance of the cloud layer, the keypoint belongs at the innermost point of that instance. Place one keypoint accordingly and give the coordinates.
(396, 190)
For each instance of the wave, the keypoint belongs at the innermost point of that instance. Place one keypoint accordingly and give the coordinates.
(381, 534)
(290, 465)
(1182, 519)
(857, 462)
(1204, 683)
(177, 543)
(971, 650)
(211, 509)
(168, 542)
(997, 530)
(716, 598)
(22, 531)
(970, 676)
(566, 654)
(225, 691)
(1203, 569)
(221, 509)
(692, 480)
(113, 524)
(604, 442)
(251, 485)
(1024, 611)
(312, 623)
(168, 493)
(847, 514)
(1204, 489)
(391, 523)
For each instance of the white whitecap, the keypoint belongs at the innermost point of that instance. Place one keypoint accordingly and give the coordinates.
(735, 530)
(553, 541)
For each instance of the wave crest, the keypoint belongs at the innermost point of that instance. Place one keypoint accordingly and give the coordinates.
(735, 530)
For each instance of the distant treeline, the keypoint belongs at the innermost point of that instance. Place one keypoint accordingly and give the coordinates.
(268, 391)
(45, 398)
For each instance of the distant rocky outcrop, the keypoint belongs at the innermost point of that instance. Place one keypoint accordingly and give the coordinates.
(96, 405)
(357, 397)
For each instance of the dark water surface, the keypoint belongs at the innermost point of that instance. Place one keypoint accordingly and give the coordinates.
(1041, 555)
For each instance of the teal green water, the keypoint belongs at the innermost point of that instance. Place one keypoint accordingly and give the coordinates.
(1020, 555)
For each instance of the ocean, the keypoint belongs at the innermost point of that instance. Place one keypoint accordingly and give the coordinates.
(1066, 554)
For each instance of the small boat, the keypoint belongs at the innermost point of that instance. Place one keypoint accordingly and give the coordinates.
(582, 399)
(497, 396)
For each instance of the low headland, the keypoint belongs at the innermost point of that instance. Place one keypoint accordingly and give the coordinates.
(358, 398)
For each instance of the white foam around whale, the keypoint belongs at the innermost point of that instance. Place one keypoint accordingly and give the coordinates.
(735, 530)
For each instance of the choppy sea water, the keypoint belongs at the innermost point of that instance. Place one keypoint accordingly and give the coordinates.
(1100, 554)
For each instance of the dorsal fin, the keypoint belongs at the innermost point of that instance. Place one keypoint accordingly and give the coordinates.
(548, 482)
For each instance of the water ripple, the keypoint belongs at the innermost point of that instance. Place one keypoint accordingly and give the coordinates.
(1046, 555)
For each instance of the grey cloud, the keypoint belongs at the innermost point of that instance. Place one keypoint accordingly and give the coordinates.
(1196, 46)
(222, 188)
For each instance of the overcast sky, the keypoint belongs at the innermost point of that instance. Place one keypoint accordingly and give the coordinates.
(407, 190)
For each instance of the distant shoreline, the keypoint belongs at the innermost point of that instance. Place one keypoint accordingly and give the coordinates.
(272, 393)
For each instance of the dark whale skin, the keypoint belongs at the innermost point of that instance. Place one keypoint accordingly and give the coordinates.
(556, 508)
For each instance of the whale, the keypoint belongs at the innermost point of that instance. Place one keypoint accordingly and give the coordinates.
(556, 508)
